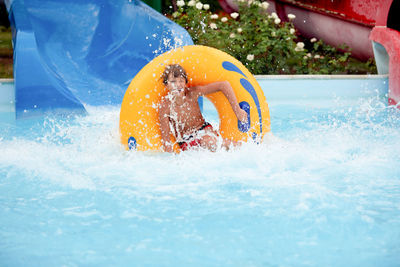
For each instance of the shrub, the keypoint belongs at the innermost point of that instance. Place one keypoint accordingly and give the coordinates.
(262, 42)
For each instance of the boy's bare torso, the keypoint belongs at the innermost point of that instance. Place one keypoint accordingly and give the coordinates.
(184, 114)
(180, 114)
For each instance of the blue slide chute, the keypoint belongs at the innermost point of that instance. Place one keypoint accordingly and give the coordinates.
(71, 53)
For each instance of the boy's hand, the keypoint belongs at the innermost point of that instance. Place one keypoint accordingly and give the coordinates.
(242, 115)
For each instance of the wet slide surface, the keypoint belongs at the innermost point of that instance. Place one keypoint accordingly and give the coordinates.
(68, 54)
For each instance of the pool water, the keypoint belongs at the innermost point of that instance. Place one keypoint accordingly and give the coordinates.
(322, 190)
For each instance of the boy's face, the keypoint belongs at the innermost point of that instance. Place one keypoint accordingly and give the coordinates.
(176, 84)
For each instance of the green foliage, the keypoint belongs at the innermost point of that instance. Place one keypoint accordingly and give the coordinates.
(6, 53)
(262, 42)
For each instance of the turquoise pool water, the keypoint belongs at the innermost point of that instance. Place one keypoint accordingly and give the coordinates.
(322, 190)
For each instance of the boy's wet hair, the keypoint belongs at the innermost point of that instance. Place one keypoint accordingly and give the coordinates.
(176, 70)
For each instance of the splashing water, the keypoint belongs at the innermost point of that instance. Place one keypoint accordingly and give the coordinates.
(322, 190)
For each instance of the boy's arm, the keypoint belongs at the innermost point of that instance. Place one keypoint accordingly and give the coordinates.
(226, 88)
(164, 125)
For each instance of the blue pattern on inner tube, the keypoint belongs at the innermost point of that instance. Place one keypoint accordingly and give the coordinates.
(249, 88)
(247, 85)
(232, 67)
(132, 143)
(254, 136)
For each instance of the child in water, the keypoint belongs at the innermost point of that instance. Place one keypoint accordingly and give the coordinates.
(180, 113)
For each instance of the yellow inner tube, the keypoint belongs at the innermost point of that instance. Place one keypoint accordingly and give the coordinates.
(139, 123)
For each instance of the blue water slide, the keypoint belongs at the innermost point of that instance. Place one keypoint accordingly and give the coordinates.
(72, 53)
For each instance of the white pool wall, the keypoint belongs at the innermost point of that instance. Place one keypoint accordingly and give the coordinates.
(323, 90)
(7, 95)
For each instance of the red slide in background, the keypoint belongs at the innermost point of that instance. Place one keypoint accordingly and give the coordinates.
(385, 37)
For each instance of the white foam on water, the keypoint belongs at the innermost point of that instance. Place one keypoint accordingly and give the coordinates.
(87, 154)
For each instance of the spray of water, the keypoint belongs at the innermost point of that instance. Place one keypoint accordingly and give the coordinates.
(86, 152)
